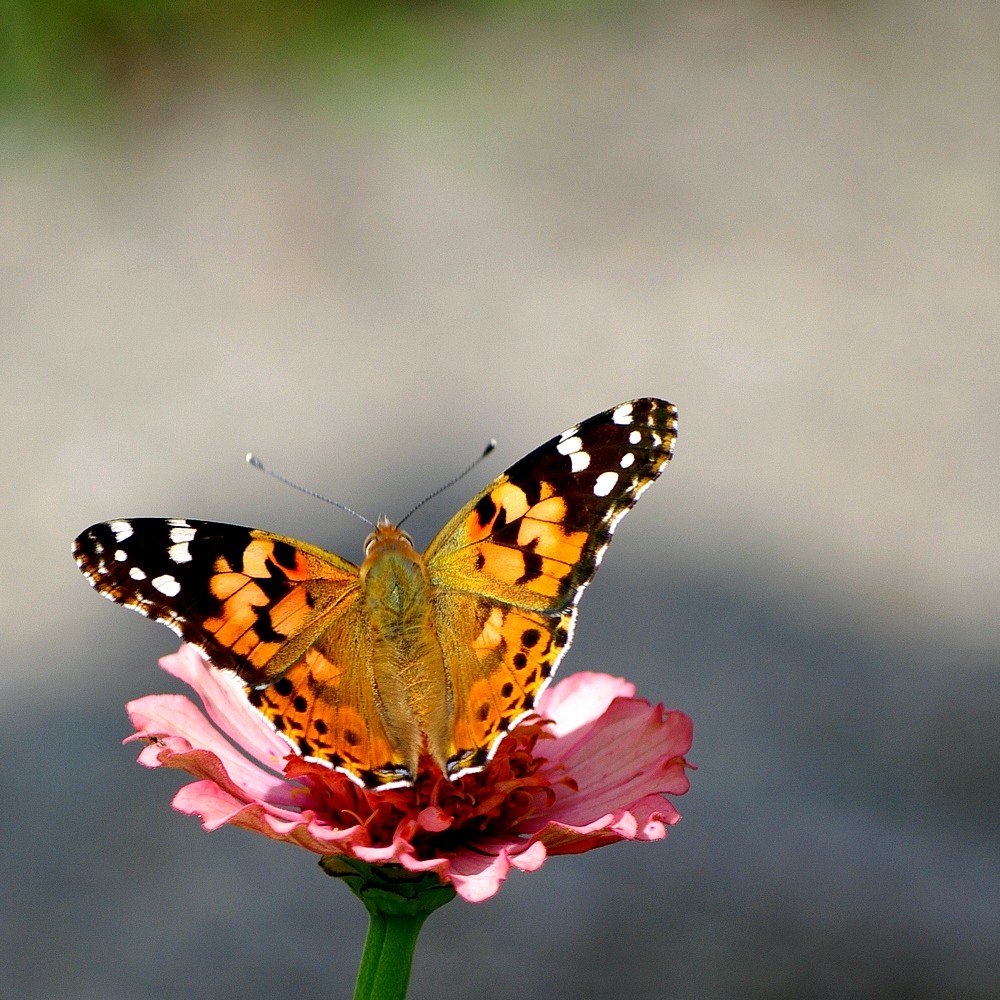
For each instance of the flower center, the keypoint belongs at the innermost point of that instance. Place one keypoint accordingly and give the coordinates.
(437, 815)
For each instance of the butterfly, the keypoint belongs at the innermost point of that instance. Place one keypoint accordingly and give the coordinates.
(366, 668)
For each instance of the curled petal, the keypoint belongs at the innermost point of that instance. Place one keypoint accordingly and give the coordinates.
(478, 874)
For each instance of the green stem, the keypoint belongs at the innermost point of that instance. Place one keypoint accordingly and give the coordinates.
(398, 903)
(388, 957)
(370, 958)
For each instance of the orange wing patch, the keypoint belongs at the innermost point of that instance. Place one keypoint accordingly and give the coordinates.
(529, 560)
(272, 598)
(508, 504)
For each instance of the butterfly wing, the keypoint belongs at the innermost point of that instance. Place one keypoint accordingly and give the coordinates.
(509, 568)
(325, 706)
(499, 658)
(280, 614)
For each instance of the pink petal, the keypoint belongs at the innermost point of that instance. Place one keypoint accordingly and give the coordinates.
(477, 877)
(216, 808)
(645, 820)
(175, 717)
(212, 804)
(224, 698)
(581, 698)
(629, 757)
(217, 800)
(478, 873)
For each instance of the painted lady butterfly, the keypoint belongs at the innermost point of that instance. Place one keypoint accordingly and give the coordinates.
(366, 668)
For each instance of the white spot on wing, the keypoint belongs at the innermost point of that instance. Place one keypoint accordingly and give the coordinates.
(635, 437)
(627, 460)
(579, 460)
(570, 432)
(136, 573)
(122, 530)
(622, 414)
(605, 483)
(167, 585)
(568, 446)
(181, 532)
(120, 555)
(179, 553)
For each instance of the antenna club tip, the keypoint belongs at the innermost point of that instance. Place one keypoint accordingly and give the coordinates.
(253, 460)
(492, 444)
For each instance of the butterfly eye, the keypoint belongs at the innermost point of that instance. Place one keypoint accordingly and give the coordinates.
(369, 542)
(407, 537)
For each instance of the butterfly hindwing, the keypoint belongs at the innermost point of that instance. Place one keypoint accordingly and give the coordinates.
(324, 704)
(498, 658)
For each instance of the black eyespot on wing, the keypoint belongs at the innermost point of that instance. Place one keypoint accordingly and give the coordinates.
(486, 510)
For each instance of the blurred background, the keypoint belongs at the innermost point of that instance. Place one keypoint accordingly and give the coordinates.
(361, 240)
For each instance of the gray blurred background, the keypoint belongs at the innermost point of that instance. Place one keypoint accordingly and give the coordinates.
(361, 242)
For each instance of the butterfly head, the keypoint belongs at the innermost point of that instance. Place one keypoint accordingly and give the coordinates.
(389, 544)
(386, 535)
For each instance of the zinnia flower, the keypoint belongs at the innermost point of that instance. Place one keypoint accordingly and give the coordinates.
(592, 769)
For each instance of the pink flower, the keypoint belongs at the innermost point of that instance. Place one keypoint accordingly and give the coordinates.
(592, 769)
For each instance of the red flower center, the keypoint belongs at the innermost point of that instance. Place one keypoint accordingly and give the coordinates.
(437, 815)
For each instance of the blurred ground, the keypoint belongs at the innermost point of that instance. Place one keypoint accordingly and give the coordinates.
(781, 217)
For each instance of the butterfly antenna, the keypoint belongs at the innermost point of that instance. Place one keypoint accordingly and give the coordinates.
(256, 463)
(448, 485)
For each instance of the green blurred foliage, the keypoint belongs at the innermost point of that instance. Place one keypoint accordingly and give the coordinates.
(88, 57)
(80, 55)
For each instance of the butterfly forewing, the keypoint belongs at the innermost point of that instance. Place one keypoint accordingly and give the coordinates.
(281, 614)
(534, 537)
(248, 599)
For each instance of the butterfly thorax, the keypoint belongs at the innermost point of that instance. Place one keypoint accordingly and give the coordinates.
(412, 692)
(395, 586)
